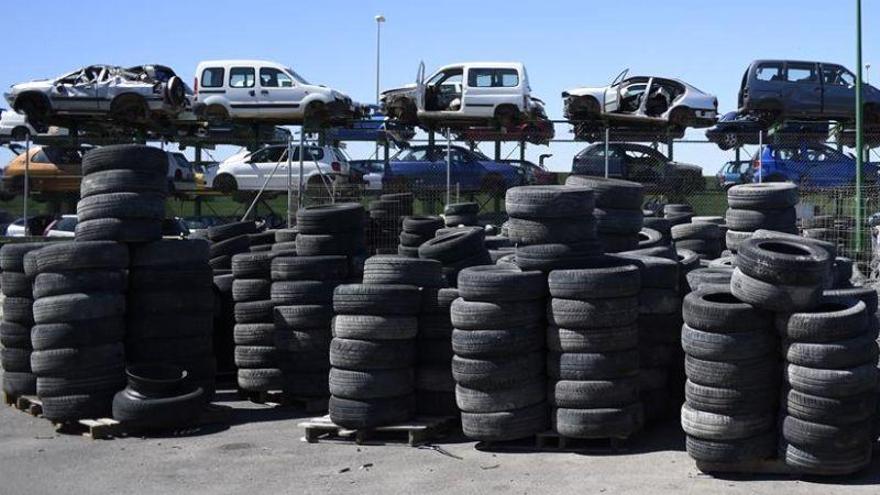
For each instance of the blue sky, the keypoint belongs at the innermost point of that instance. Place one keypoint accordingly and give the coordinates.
(563, 43)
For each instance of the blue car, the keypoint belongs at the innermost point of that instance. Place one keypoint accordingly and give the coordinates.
(810, 165)
(421, 168)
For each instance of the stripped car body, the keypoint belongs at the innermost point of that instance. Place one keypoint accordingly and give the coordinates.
(97, 92)
(642, 101)
(465, 94)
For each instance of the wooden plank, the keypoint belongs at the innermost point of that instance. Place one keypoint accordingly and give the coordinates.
(416, 432)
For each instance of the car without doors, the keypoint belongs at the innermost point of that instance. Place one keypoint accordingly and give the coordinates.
(465, 94)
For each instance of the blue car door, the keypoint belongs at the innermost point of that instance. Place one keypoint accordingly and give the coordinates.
(466, 171)
(823, 167)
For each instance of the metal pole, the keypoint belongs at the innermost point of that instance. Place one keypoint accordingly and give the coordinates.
(289, 179)
(607, 138)
(860, 145)
(27, 179)
(379, 20)
(448, 164)
(760, 156)
(302, 154)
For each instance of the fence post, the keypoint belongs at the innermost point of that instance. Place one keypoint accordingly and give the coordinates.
(760, 156)
(290, 179)
(448, 164)
(302, 155)
(27, 180)
(607, 138)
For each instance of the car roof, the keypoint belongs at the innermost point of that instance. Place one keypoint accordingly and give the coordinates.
(242, 61)
(787, 61)
(486, 65)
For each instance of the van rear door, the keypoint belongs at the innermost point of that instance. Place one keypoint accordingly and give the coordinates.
(803, 91)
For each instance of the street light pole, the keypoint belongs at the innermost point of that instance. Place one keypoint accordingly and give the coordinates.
(379, 20)
(859, 123)
(867, 73)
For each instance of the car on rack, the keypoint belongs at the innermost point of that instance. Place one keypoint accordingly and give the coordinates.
(778, 90)
(260, 91)
(639, 163)
(36, 226)
(323, 166)
(98, 92)
(179, 168)
(810, 166)
(648, 101)
(465, 94)
(369, 172)
(733, 173)
(424, 169)
(533, 174)
(14, 126)
(51, 169)
(734, 129)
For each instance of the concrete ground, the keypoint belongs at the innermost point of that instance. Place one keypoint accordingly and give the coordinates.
(262, 451)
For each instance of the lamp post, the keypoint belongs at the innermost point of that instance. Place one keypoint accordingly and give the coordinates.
(859, 123)
(380, 19)
(867, 73)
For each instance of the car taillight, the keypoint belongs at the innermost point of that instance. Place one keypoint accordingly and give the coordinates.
(336, 166)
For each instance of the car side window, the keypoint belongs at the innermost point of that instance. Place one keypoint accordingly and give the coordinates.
(241, 77)
(212, 77)
(269, 155)
(802, 73)
(493, 78)
(835, 75)
(274, 78)
(40, 157)
(786, 154)
(770, 71)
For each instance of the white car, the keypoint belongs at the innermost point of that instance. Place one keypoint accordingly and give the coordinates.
(248, 172)
(642, 100)
(14, 127)
(465, 94)
(263, 91)
(63, 227)
(98, 91)
(179, 168)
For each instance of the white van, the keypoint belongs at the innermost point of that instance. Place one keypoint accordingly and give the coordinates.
(263, 91)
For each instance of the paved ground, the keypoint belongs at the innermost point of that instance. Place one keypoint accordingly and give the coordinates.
(262, 452)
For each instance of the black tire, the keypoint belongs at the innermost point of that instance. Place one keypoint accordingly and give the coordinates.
(783, 261)
(833, 320)
(769, 195)
(158, 412)
(126, 205)
(649, 238)
(733, 239)
(818, 437)
(660, 329)
(360, 414)
(375, 384)
(226, 231)
(525, 394)
(330, 219)
(315, 341)
(479, 315)
(773, 297)
(593, 394)
(254, 311)
(542, 202)
(488, 344)
(125, 157)
(461, 209)
(16, 284)
(16, 384)
(169, 253)
(592, 366)
(251, 265)
(733, 374)
(399, 270)
(371, 355)
(453, 247)
(69, 362)
(117, 181)
(709, 276)
(659, 302)
(254, 334)
(497, 373)
(494, 283)
(867, 295)
(142, 303)
(119, 230)
(847, 382)
(835, 355)
(548, 257)
(77, 334)
(732, 401)
(461, 220)
(611, 193)
(412, 240)
(507, 425)
(756, 448)
(245, 290)
(70, 256)
(18, 310)
(618, 221)
(309, 268)
(15, 360)
(12, 255)
(438, 302)
(75, 307)
(834, 464)
(657, 272)
(15, 335)
(285, 235)
(260, 379)
(598, 313)
(256, 357)
(723, 427)
(424, 226)
(362, 299)
(618, 422)
(303, 292)
(408, 252)
(346, 244)
(372, 327)
(609, 278)
(750, 220)
(610, 339)
(230, 247)
(738, 346)
(70, 408)
(696, 231)
(55, 284)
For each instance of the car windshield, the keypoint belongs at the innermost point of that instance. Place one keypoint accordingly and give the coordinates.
(66, 224)
(296, 76)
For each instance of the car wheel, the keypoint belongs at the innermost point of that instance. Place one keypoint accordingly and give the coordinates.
(20, 133)
(315, 114)
(36, 111)
(682, 117)
(175, 92)
(129, 109)
(216, 114)
(729, 141)
(225, 184)
(506, 116)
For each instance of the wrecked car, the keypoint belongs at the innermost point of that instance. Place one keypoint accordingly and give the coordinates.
(466, 94)
(639, 163)
(734, 130)
(98, 91)
(642, 100)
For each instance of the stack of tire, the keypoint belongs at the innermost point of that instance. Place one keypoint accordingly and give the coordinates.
(255, 355)
(334, 230)
(461, 214)
(457, 250)
(659, 225)
(285, 241)
(79, 313)
(435, 389)
(593, 360)
(123, 194)
(659, 327)
(417, 230)
(830, 402)
(18, 318)
(703, 238)
(227, 240)
(751, 207)
(171, 309)
(224, 324)
(302, 292)
(372, 354)
(262, 241)
(733, 372)
(499, 362)
(618, 210)
(678, 214)
(385, 220)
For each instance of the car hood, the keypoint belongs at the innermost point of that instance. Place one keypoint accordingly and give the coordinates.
(585, 91)
(687, 167)
(407, 88)
(31, 85)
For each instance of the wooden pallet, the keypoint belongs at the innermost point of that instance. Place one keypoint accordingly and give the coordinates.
(776, 467)
(550, 441)
(27, 403)
(311, 405)
(415, 432)
(107, 428)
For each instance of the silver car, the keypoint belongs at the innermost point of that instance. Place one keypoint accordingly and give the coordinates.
(648, 101)
(97, 91)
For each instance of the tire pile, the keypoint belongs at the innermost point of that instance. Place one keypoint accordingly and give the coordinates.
(171, 309)
(285, 241)
(733, 374)
(227, 240)
(499, 362)
(618, 211)
(457, 250)
(262, 241)
(461, 214)
(678, 214)
(123, 194)
(373, 354)
(255, 356)
(18, 318)
(417, 230)
(385, 220)
(434, 387)
(705, 239)
(752, 207)
(79, 314)
(593, 360)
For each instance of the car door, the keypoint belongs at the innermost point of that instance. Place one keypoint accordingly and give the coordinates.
(76, 93)
(242, 92)
(280, 96)
(467, 170)
(803, 89)
(258, 167)
(612, 93)
(827, 167)
(488, 87)
(838, 91)
(420, 87)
